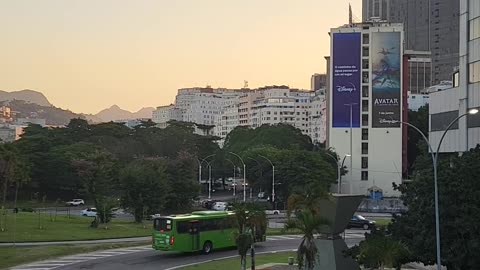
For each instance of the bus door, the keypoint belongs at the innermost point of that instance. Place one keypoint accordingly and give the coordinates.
(195, 233)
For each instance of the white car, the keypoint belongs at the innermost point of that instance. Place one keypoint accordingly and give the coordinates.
(220, 206)
(89, 212)
(272, 212)
(75, 202)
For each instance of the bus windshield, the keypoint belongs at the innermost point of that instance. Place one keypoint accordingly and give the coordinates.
(162, 224)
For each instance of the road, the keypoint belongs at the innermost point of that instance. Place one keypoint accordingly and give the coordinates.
(145, 258)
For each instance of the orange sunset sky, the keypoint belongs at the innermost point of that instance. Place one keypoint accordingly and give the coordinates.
(86, 55)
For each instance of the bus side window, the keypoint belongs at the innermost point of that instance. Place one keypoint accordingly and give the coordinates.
(183, 227)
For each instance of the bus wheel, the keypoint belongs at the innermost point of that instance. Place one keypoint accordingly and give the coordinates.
(207, 247)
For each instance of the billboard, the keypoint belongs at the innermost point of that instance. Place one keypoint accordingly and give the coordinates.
(386, 79)
(346, 80)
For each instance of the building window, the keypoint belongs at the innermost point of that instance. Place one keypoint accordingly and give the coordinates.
(365, 134)
(365, 120)
(474, 72)
(365, 51)
(275, 118)
(364, 148)
(364, 175)
(364, 91)
(364, 105)
(365, 63)
(456, 79)
(364, 162)
(366, 38)
(474, 28)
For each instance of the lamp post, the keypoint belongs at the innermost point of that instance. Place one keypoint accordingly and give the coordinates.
(339, 170)
(200, 171)
(234, 180)
(273, 178)
(244, 178)
(261, 173)
(435, 161)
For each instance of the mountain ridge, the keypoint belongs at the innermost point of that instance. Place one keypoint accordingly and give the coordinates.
(113, 113)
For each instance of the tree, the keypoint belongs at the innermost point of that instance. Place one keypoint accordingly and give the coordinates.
(419, 119)
(145, 187)
(181, 178)
(280, 136)
(96, 170)
(13, 171)
(459, 198)
(251, 222)
(296, 171)
(380, 250)
(308, 222)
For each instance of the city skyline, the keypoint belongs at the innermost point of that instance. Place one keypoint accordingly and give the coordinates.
(89, 56)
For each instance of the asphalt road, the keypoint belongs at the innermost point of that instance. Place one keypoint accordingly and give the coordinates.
(156, 260)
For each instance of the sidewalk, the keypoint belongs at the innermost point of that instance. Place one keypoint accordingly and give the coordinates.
(98, 241)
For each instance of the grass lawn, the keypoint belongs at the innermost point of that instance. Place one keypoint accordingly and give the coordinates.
(281, 257)
(64, 228)
(281, 231)
(10, 256)
(383, 222)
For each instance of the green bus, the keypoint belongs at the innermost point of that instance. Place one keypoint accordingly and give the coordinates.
(198, 231)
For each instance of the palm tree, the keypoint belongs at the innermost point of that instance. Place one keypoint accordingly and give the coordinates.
(251, 223)
(380, 250)
(309, 222)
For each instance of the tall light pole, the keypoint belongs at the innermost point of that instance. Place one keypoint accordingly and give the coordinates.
(261, 173)
(234, 180)
(273, 179)
(244, 178)
(200, 161)
(339, 170)
(435, 161)
(351, 139)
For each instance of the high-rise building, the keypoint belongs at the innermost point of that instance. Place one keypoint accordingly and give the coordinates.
(448, 104)
(429, 25)
(419, 70)
(444, 38)
(318, 81)
(366, 101)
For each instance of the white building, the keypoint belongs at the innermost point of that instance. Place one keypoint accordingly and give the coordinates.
(225, 109)
(162, 114)
(448, 104)
(415, 101)
(318, 117)
(365, 101)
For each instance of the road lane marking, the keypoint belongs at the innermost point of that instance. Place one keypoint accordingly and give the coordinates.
(227, 257)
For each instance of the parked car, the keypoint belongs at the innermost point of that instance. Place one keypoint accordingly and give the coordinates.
(75, 202)
(220, 206)
(89, 212)
(209, 203)
(272, 212)
(358, 221)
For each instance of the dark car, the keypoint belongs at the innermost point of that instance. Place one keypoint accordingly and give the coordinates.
(358, 221)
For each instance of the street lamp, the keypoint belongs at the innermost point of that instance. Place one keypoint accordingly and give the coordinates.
(209, 174)
(273, 179)
(339, 170)
(234, 180)
(261, 173)
(435, 161)
(244, 178)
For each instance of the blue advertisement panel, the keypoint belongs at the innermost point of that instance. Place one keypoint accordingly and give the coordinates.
(346, 80)
(386, 76)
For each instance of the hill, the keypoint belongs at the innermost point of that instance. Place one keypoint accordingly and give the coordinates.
(52, 115)
(116, 113)
(28, 96)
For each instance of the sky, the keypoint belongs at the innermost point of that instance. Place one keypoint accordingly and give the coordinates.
(86, 55)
